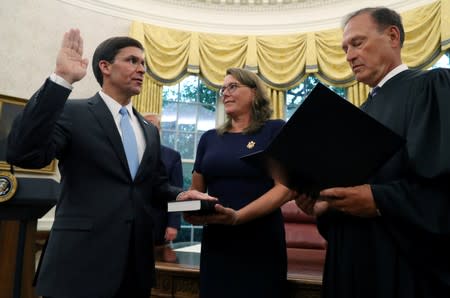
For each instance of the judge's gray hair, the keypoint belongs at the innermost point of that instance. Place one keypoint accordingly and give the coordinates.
(383, 16)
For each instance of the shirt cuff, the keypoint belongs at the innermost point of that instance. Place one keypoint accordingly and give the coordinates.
(60, 81)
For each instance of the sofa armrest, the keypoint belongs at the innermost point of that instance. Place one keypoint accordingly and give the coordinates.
(301, 229)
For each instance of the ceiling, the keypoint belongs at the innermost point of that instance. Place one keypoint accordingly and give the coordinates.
(240, 16)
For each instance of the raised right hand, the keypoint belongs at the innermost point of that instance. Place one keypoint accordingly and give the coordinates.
(70, 64)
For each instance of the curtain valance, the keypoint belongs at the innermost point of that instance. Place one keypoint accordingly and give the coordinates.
(283, 61)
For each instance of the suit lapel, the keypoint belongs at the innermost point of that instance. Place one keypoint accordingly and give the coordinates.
(106, 121)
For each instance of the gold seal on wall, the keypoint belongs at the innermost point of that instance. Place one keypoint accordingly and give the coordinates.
(251, 144)
(8, 186)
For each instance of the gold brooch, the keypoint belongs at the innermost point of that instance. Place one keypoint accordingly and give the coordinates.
(251, 144)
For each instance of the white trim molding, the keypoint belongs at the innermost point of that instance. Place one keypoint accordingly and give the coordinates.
(243, 17)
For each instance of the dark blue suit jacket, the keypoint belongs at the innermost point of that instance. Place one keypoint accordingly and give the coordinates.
(172, 161)
(87, 251)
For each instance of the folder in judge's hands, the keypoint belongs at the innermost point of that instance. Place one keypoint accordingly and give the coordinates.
(328, 142)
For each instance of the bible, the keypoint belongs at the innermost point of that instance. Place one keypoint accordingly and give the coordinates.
(199, 207)
(328, 142)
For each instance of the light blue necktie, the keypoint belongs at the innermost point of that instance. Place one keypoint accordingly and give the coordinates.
(129, 142)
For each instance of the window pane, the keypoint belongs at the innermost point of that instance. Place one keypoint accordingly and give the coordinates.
(296, 96)
(170, 93)
(198, 232)
(206, 118)
(187, 174)
(184, 234)
(206, 95)
(443, 62)
(189, 89)
(169, 115)
(168, 138)
(185, 145)
(187, 118)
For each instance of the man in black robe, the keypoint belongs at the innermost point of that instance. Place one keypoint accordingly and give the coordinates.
(391, 237)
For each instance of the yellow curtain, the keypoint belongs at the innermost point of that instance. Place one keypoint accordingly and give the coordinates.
(218, 53)
(283, 61)
(445, 25)
(333, 68)
(277, 101)
(167, 52)
(150, 98)
(357, 93)
(422, 40)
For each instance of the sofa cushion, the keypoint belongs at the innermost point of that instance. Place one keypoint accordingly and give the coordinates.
(301, 229)
(291, 213)
(300, 235)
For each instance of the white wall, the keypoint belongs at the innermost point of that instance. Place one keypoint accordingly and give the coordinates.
(248, 17)
(30, 35)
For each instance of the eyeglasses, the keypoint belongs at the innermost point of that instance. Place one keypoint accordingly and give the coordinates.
(231, 88)
(132, 60)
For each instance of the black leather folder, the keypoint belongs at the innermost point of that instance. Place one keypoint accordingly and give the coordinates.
(327, 142)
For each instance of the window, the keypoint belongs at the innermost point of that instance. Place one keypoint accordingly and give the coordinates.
(296, 96)
(189, 109)
(443, 62)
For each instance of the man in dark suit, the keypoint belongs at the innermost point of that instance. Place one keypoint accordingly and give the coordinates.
(100, 244)
(167, 224)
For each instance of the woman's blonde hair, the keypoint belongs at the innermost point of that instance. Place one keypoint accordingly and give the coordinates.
(261, 110)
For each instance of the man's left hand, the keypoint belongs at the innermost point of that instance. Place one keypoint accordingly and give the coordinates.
(171, 234)
(357, 200)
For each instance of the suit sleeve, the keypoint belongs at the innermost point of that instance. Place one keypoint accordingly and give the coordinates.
(176, 172)
(176, 179)
(39, 134)
(162, 189)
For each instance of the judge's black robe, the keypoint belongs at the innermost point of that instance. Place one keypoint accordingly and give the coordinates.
(405, 252)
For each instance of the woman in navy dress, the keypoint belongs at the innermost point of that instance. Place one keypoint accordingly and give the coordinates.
(243, 246)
